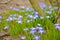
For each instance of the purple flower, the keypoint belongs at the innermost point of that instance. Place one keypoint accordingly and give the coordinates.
(36, 13)
(35, 16)
(16, 9)
(30, 16)
(36, 37)
(57, 26)
(42, 5)
(9, 19)
(29, 9)
(40, 30)
(19, 16)
(33, 30)
(0, 17)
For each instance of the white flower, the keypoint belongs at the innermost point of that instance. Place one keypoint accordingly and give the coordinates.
(30, 16)
(41, 17)
(26, 29)
(49, 12)
(6, 27)
(38, 24)
(28, 21)
(29, 9)
(36, 37)
(36, 13)
(21, 6)
(16, 9)
(50, 7)
(19, 16)
(19, 21)
(23, 37)
(47, 16)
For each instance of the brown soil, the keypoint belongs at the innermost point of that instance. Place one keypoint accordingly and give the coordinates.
(13, 3)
